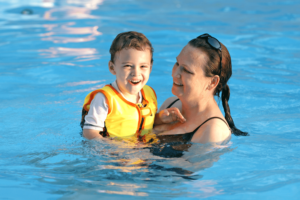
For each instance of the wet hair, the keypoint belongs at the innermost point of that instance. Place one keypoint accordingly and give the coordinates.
(212, 68)
(130, 39)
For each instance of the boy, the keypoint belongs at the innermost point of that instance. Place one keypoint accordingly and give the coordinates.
(127, 107)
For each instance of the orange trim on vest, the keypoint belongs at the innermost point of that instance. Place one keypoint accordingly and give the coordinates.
(120, 96)
(143, 94)
(92, 95)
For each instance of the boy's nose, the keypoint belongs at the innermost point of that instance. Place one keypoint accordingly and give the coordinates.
(135, 71)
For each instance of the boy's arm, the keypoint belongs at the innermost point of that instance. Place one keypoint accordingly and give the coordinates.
(94, 120)
(91, 134)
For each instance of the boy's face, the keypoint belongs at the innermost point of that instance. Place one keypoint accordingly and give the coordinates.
(132, 68)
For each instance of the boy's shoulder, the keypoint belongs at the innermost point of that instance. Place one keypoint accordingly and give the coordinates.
(149, 88)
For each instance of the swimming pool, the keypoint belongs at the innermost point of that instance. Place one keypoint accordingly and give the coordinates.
(51, 58)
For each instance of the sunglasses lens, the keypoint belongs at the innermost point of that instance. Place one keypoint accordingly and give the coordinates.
(213, 42)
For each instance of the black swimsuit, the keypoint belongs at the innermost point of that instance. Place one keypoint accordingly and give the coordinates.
(187, 137)
(181, 142)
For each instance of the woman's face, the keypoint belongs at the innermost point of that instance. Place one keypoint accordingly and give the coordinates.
(189, 80)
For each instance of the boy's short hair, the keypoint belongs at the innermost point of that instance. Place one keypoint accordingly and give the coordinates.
(130, 39)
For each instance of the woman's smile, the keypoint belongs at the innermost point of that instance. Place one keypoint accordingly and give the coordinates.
(177, 84)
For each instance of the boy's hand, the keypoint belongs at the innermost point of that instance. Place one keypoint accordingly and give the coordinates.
(169, 115)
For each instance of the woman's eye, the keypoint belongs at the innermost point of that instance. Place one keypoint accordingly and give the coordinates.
(184, 69)
(127, 66)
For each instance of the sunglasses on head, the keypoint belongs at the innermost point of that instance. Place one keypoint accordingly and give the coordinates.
(215, 44)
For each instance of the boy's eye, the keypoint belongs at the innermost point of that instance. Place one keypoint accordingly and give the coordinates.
(144, 66)
(127, 66)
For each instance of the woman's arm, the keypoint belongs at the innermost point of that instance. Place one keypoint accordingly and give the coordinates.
(214, 131)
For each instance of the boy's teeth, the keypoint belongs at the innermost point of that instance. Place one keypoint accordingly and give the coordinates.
(134, 81)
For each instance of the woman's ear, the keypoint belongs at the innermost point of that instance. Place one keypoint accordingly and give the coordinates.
(111, 67)
(214, 82)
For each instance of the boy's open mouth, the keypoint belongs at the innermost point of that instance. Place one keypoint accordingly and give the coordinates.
(134, 82)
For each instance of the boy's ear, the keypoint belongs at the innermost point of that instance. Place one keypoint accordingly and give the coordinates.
(151, 67)
(111, 68)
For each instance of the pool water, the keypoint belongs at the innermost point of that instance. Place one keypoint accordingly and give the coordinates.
(54, 52)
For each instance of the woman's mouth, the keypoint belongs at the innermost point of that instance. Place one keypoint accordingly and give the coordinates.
(177, 84)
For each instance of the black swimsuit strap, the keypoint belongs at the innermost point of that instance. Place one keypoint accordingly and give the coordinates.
(207, 121)
(172, 103)
(189, 136)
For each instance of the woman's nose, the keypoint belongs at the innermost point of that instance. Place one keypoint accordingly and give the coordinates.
(176, 72)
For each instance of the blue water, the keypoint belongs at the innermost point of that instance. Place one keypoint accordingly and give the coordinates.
(50, 59)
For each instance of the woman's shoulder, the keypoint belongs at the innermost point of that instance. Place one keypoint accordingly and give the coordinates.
(169, 101)
(214, 130)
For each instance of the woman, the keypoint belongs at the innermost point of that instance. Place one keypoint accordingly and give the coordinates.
(201, 72)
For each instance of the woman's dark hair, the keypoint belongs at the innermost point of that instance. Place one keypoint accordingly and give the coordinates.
(211, 69)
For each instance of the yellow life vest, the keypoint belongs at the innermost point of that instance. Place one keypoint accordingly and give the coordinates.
(126, 119)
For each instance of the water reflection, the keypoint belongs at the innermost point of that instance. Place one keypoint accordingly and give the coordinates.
(84, 83)
(80, 83)
(130, 157)
(56, 29)
(82, 54)
(71, 9)
(64, 33)
(65, 29)
(114, 167)
(69, 13)
(204, 188)
(91, 4)
(123, 193)
(86, 90)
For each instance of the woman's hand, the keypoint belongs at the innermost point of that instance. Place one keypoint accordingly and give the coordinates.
(169, 115)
